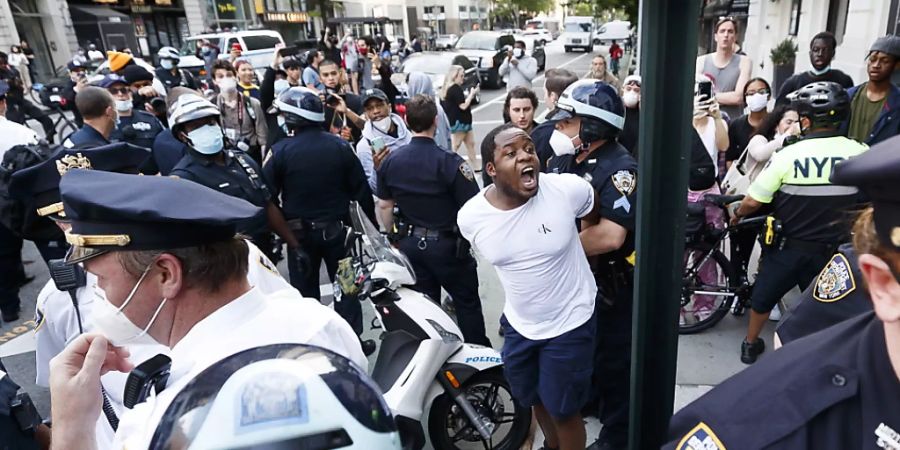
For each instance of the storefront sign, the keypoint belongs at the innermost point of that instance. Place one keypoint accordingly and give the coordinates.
(163, 2)
(141, 9)
(226, 9)
(291, 17)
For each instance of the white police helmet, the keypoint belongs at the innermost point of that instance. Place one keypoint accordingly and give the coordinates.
(169, 53)
(190, 107)
(281, 396)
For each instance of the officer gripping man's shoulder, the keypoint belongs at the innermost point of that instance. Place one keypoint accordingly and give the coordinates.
(588, 118)
(428, 186)
(836, 294)
(837, 388)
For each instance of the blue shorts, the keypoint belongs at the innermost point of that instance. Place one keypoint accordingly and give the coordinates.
(553, 372)
(460, 127)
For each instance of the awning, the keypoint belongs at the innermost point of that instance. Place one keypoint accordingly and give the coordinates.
(93, 12)
(341, 20)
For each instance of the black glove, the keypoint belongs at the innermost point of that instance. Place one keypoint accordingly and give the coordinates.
(301, 259)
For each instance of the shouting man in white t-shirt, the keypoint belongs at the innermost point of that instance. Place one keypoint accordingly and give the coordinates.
(529, 235)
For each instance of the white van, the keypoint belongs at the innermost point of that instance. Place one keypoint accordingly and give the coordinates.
(577, 33)
(617, 30)
(257, 46)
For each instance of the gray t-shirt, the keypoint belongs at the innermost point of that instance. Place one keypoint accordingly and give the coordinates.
(726, 79)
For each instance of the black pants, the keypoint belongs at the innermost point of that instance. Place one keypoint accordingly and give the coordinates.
(323, 245)
(19, 110)
(436, 266)
(782, 269)
(12, 272)
(612, 366)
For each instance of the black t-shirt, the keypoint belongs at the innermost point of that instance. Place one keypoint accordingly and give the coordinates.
(456, 97)
(629, 135)
(739, 133)
(798, 80)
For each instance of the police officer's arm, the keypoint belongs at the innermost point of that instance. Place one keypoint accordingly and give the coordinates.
(764, 187)
(598, 234)
(279, 225)
(464, 185)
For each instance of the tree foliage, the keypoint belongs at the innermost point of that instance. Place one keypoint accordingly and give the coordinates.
(605, 10)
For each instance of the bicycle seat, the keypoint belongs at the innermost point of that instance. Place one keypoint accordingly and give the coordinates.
(722, 200)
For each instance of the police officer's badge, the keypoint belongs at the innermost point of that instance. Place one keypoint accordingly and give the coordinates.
(700, 438)
(263, 261)
(68, 162)
(39, 317)
(835, 281)
(624, 181)
(467, 171)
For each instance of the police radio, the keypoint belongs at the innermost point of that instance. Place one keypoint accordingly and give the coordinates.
(150, 374)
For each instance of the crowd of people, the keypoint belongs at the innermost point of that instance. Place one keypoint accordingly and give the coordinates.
(278, 157)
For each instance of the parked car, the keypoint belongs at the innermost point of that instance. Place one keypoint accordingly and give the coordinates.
(540, 35)
(257, 46)
(436, 65)
(445, 41)
(486, 50)
(617, 30)
(577, 33)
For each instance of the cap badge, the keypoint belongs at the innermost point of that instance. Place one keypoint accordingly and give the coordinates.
(76, 161)
(895, 236)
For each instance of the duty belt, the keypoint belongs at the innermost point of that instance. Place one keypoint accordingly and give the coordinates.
(807, 246)
(426, 233)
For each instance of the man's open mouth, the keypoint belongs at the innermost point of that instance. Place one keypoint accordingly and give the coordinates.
(529, 178)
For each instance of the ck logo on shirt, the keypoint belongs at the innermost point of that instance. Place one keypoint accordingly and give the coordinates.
(544, 230)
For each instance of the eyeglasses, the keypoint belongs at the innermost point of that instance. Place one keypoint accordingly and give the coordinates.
(117, 91)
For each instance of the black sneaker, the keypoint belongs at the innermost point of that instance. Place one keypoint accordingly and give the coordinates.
(368, 346)
(749, 352)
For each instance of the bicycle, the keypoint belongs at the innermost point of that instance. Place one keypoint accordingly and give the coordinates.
(51, 97)
(711, 283)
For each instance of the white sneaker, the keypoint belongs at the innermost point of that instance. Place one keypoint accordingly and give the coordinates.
(775, 315)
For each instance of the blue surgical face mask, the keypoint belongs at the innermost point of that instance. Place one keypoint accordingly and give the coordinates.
(820, 72)
(207, 139)
(281, 86)
(166, 64)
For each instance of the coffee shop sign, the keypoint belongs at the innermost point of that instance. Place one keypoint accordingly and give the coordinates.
(293, 17)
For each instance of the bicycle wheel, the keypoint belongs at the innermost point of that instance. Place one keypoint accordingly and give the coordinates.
(706, 291)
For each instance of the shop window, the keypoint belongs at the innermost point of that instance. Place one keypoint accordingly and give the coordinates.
(794, 26)
(837, 18)
(260, 42)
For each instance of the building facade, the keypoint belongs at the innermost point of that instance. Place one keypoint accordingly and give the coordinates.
(855, 23)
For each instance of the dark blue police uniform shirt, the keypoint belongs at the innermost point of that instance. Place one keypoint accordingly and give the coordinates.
(429, 184)
(86, 137)
(612, 171)
(541, 137)
(835, 389)
(232, 179)
(837, 294)
(140, 128)
(167, 151)
(317, 175)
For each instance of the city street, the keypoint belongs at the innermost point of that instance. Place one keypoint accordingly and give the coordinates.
(705, 359)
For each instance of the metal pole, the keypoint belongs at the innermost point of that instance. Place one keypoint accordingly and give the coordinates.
(668, 34)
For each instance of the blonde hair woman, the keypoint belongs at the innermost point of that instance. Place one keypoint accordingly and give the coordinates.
(457, 105)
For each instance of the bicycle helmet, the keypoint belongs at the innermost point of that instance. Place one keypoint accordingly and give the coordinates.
(280, 396)
(169, 53)
(824, 103)
(300, 107)
(599, 106)
(188, 107)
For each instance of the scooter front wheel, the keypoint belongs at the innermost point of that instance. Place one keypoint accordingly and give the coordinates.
(490, 395)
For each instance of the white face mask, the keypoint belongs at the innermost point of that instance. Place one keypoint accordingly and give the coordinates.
(166, 64)
(631, 99)
(112, 322)
(227, 84)
(561, 144)
(518, 52)
(207, 139)
(123, 105)
(382, 124)
(757, 102)
(820, 72)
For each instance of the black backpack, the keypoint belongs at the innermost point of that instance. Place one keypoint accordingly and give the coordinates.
(17, 215)
(702, 175)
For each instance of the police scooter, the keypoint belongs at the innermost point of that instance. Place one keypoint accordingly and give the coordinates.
(424, 368)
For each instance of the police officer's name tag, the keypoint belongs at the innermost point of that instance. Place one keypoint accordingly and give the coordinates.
(141, 126)
(701, 437)
(836, 280)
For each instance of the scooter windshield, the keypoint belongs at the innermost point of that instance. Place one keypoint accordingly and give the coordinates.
(376, 245)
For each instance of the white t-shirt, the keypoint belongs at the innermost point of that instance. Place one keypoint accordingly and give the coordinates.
(540, 261)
